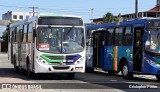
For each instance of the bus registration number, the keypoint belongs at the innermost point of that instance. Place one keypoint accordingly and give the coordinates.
(43, 46)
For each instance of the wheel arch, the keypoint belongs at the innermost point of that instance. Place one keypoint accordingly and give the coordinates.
(27, 60)
(122, 60)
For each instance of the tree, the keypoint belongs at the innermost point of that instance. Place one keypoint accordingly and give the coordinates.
(109, 18)
(4, 44)
(6, 32)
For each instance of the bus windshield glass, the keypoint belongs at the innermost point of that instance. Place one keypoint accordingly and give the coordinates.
(153, 40)
(60, 39)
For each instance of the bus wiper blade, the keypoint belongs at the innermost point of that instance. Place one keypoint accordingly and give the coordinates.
(70, 29)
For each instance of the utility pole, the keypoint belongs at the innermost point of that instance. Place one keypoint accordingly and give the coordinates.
(33, 9)
(92, 15)
(136, 8)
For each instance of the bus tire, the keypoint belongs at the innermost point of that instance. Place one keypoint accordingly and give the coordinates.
(158, 77)
(125, 71)
(89, 70)
(29, 73)
(70, 76)
(15, 64)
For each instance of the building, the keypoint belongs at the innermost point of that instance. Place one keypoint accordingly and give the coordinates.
(15, 16)
(153, 12)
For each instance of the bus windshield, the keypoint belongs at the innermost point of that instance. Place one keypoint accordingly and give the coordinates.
(153, 40)
(60, 39)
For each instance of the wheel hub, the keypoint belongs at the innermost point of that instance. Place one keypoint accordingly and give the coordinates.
(125, 70)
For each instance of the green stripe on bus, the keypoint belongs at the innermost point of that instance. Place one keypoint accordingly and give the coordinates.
(52, 58)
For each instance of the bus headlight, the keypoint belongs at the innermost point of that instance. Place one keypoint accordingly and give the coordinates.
(79, 61)
(69, 61)
(42, 61)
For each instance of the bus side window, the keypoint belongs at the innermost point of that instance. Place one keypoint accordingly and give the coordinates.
(12, 35)
(21, 33)
(15, 34)
(30, 29)
(25, 34)
(118, 36)
(110, 36)
(127, 38)
(89, 41)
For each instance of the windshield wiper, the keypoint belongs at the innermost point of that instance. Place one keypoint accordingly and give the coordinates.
(70, 29)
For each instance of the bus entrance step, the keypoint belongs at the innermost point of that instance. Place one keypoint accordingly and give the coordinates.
(137, 72)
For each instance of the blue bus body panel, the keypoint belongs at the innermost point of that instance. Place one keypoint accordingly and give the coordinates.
(123, 51)
(150, 68)
(108, 57)
(126, 52)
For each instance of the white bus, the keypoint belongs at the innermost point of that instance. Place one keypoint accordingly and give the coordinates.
(48, 44)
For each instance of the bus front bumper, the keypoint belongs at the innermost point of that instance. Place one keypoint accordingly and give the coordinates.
(41, 68)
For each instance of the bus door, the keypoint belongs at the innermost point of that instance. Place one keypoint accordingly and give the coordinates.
(137, 48)
(98, 41)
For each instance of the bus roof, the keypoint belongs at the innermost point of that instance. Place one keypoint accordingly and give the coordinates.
(24, 21)
(35, 18)
(57, 15)
(129, 22)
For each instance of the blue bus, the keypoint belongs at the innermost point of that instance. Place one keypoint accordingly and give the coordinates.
(132, 47)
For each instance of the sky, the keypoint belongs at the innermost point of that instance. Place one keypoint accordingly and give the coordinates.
(76, 7)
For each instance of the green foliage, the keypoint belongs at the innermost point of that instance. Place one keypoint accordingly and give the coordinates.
(109, 18)
(6, 32)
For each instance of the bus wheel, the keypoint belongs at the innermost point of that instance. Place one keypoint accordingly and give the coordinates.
(158, 77)
(125, 71)
(29, 73)
(70, 76)
(15, 65)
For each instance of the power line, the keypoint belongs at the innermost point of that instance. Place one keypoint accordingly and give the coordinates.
(33, 9)
(12, 6)
(82, 11)
(79, 9)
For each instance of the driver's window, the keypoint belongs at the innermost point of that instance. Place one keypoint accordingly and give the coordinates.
(153, 38)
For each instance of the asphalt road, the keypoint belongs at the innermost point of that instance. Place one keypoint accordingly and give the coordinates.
(86, 82)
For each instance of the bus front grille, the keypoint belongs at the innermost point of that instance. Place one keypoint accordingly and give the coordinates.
(55, 57)
(61, 67)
